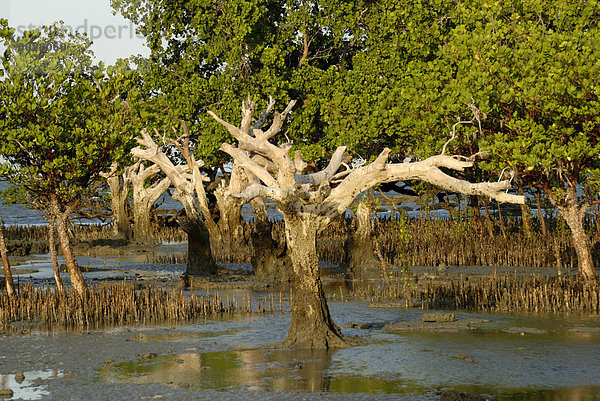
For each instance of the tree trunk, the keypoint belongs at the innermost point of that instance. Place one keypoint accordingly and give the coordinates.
(200, 259)
(144, 198)
(488, 218)
(501, 221)
(312, 325)
(8, 279)
(573, 215)
(227, 236)
(524, 213)
(142, 226)
(270, 259)
(55, 267)
(62, 222)
(118, 192)
(540, 214)
(474, 205)
(362, 260)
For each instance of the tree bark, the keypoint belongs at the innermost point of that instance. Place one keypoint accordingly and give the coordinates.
(573, 215)
(200, 259)
(52, 245)
(8, 279)
(141, 221)
(488, 218)
(119, 188)
(311, 325)
(62, 221)
(362, 260)
(227, 236)
(524, 212)
(144, 198)
(540, 214)
(270, 259)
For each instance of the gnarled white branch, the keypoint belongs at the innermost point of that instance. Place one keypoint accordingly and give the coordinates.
(327, 173)
(243, 160)
(296, 192)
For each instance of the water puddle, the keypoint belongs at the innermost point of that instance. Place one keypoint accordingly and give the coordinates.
(30, 385)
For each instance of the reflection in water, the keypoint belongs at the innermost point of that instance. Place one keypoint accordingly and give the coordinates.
(298, 370)
(28, 385)
(274, 370)
(271, 370)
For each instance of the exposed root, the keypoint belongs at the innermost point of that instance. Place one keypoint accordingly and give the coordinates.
(330, 340)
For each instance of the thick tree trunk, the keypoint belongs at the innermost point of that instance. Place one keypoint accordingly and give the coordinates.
(573, 215)
(118, 192)
(312, 325)
(227, 236)
(8, 279)
(270, 259)
(200, 259)
(362, 259)
(61, 218)
(142, 226)
(144, 198)
(53, 255)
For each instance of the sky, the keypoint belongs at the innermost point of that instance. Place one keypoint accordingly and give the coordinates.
(113, 36)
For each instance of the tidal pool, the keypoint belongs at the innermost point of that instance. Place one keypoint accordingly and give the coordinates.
(28, 385)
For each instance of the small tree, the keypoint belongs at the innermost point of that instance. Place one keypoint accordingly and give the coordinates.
(309, 202)
(64, 121)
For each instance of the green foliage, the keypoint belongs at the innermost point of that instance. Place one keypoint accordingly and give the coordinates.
(374, 74)
(532, 67)
(212, 54)
(64, 120)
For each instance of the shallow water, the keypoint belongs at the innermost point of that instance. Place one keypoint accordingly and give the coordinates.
(30, 385)
(507, 360)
